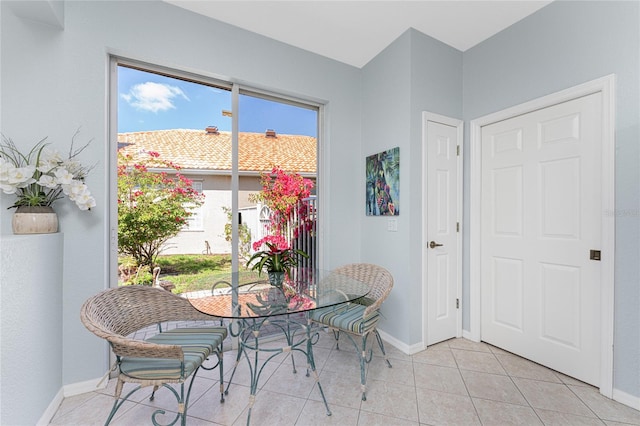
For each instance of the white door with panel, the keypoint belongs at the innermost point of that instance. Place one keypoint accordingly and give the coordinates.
(541, 236)
(442, 231)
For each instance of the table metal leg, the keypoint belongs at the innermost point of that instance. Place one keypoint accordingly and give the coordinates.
(312, 363)
(248, 334)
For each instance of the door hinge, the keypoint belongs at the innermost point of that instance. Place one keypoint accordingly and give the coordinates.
(457, 303)
(457, 226)
(458, 150)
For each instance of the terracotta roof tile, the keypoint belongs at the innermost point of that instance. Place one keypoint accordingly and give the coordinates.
(197, 149)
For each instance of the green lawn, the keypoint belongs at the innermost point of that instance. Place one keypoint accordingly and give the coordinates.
(188, 271)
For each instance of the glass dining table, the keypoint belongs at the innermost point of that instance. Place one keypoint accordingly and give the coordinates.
(257, 309)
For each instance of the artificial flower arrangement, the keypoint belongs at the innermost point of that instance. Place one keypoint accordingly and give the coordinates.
(42, 176)
(277, 257)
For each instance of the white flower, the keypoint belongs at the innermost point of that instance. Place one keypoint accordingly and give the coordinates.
(43, 176)
(75, 189)
(8, 189)
(49, 160)
(85, 201)
(73, 166)
(63, 177)
(5, 166)
(79, 192)
(21, 176)
(46, 167)
(51, 155)
(47, 181)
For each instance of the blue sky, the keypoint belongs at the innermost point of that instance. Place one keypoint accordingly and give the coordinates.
(148, 101)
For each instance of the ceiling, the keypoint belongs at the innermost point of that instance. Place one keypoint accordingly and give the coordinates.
(354, 32)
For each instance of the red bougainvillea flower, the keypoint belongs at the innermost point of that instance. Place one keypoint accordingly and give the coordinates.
(277, 241)
(281, 192)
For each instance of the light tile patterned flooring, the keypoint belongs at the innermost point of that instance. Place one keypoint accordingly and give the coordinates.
(457, 382)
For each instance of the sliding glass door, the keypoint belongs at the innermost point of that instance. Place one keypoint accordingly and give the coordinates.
(229, 144)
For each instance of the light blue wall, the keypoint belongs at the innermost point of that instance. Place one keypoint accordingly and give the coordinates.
(415, 73)
(54, 81)
(562, 45)
(386, 84)
(30, 326)
(436, 87)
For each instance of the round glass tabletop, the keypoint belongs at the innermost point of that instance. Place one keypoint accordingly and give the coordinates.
(246, 294)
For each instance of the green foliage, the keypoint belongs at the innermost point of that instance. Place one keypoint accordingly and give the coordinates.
(185, 264)
(152, 206)
(131, 274)
(188, 272)
(278, 257)
(142, 277)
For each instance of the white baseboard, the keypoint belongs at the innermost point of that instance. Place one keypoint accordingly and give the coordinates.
(67, 391)
(407, 349)
(469, 336)
(626, 399)
(618, 395)
(84, 387)
(48, 414)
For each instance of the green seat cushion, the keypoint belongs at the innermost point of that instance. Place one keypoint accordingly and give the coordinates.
(197, 344)
(347, 318)
(364, 300)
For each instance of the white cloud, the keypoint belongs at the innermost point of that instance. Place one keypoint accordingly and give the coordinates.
(152, 96)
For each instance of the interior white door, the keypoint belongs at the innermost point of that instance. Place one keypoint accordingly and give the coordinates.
(442, 229)
(541, 217)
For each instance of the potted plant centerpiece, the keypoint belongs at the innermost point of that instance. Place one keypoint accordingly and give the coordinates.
(38, 179)
(277, 259)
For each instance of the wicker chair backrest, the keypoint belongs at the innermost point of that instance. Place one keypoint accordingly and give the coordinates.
(123, 310)
(378, 278)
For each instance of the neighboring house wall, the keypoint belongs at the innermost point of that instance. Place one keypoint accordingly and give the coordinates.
(213, 218)
(205, 157)
(217, 193)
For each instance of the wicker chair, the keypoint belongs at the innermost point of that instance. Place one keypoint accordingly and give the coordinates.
(171, 356)
(359, 320)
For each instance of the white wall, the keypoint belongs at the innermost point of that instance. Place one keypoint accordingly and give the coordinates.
(213, 221)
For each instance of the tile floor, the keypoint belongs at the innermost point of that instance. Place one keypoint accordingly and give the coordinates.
(457, 382)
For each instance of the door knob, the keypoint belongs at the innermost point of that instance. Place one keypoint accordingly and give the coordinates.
(433, 244)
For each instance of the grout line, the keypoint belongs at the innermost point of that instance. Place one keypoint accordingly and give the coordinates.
(299, 420)
(584, 402)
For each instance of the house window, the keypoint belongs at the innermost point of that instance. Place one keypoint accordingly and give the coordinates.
(195, 222)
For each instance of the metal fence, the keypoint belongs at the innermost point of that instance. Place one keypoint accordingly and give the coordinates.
(300, 229)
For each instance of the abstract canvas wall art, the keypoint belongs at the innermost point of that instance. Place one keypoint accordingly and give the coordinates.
(383, 183)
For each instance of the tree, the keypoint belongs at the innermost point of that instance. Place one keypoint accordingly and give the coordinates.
(244, 234)
(152, 206)
(282, 192)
